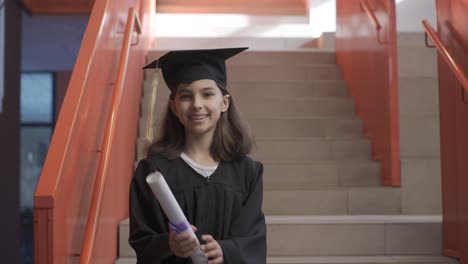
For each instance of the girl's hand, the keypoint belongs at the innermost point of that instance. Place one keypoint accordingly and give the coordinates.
(212, 250)
(182, 245)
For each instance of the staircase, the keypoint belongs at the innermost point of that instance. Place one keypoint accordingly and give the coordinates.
(322, 195)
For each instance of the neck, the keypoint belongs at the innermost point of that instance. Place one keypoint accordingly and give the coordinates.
(197, 147)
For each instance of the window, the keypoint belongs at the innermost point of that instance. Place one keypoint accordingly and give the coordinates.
(36, 111)
(37, 124)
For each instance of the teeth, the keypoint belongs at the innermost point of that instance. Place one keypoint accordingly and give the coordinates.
(198, 117)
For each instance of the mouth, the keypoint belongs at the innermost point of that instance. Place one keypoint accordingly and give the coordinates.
(197, 117)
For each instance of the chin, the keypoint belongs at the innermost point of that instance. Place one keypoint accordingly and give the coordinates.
(200, 130)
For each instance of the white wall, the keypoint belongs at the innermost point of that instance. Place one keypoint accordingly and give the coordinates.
(411, 12)
(322, 15)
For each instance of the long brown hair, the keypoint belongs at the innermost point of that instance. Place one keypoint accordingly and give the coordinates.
(231, 138)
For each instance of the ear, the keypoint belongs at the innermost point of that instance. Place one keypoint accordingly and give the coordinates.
(226, 102)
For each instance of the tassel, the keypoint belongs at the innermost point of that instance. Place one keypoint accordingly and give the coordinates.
(150, 122)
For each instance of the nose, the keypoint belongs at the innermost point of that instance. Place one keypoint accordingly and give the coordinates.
(197, 102)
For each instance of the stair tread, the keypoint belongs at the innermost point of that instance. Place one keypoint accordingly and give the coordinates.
(308, 139)
(239, 82)
(277, 139)
(361, 259)
(309, 99)
(348, 259)
(352, 219)
(308, 65)
(331, 118)
(346, 219)
(301, 99)
(334, 188)
(320, 162)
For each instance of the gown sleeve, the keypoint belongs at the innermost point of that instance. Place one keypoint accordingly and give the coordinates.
(149, 236)
(247, 237)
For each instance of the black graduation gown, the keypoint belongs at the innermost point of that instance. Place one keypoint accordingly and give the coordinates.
(227, 205)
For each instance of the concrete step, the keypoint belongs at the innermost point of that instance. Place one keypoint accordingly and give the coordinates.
(286, 107)
(282, 73)
(267, 89)
(261, 7)
(278, 175)
(308, 149)
(329, 201)
(284, 59)
(270, 73)
(267, 58)
(295, 127)
(334, 236)
(344, 260)
(362, 260)
(255, 32)
(298, 107)
(299, 175)
(290, 89)
(366, 235)
(228, 20)
(299, 43)
(303, 149)
(306, 127)
(327, 98)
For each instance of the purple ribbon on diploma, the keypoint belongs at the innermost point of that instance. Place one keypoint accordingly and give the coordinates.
(179, 228)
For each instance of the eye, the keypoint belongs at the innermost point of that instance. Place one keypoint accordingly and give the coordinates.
(208, 94)
(184, 96)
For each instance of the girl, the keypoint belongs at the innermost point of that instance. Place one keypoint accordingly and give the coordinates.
(202, 154)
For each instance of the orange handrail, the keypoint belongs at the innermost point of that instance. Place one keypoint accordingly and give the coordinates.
(457, 70)
(103, 167)
(370, 14)
(378, 108)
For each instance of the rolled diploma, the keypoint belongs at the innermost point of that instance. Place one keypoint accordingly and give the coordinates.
(172, 209)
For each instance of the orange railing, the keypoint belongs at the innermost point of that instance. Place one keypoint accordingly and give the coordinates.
(451, 40)
(369, 66)
(370, 14)
(82, 153)
(443, 51)
(133, 21)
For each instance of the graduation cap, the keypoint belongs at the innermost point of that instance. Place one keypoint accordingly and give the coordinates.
(186, 66)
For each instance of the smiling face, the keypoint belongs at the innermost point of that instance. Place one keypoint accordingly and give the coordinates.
(198, 106)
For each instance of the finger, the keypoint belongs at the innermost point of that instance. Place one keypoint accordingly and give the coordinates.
(182, 236)
(218, 260)
(191, 242)
(209, 247)
(207, 238)
(172, 241)
(187, 252)
(194, 228)
(178, 245)
(212, 254)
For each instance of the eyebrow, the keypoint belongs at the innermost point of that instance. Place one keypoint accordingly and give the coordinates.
(184, 89)
(208, 88)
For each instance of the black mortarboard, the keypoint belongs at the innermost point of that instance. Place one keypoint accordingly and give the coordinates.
(186, 66)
